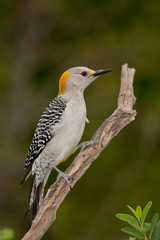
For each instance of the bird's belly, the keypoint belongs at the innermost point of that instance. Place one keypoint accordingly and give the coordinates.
(64, 141)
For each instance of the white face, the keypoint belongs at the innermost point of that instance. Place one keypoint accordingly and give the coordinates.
(79, 77)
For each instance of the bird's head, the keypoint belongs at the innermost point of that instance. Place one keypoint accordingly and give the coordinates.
(78, 78)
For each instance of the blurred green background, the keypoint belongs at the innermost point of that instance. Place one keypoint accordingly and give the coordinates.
(39, 40)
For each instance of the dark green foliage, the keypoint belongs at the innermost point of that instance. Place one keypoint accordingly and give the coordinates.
(141, 229)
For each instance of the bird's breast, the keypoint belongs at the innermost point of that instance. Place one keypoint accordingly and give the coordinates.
(68, 133)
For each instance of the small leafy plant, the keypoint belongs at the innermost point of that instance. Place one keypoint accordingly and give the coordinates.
(140, 229)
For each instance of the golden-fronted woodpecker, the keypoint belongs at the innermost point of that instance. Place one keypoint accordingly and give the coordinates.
(58, 131)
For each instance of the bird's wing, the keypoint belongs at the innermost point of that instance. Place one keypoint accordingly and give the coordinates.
(51, 118)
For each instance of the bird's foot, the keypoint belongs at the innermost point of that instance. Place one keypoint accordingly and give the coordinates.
(66, 177)
(84, 145)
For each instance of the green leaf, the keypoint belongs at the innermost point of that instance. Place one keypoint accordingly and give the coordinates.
(146, 226)
(140, 229)
(6, 234)
(133, 232)
(139, 211)
(153, 223)
(145, 211)
(127, 217)
(133, 211)
(131, 238)
(156, 232)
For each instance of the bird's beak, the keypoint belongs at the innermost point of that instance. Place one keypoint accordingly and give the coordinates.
(100, 72)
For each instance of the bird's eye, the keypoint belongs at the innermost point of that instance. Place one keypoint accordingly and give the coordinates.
(84, 73)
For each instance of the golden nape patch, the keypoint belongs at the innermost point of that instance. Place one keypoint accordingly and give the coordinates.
(62, 82)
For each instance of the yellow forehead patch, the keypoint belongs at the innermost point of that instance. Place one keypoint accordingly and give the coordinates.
(62, 82)
(91, 71)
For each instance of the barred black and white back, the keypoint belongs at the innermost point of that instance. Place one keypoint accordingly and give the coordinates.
(51, 117)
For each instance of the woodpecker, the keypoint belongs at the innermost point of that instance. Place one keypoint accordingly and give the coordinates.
(58, 132)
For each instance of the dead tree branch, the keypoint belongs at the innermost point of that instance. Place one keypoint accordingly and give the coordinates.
(122, 116)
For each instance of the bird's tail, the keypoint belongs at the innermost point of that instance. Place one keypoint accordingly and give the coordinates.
(35, 198)
(36, 195)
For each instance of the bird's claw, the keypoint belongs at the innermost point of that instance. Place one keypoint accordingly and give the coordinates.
(66, 177)
(84, 145)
